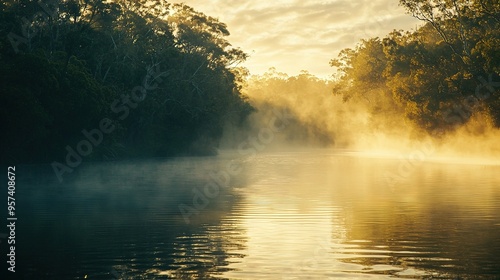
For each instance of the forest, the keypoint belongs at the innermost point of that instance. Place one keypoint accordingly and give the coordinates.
(119, 79)
(158, 76)
(440, 76)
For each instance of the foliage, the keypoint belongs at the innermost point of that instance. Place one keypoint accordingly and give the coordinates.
(64, 64)
(441, 74)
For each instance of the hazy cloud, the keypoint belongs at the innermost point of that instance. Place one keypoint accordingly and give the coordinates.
(294, 35)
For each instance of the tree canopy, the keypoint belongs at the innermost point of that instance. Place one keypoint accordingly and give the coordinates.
(440, 75)
(162, 73)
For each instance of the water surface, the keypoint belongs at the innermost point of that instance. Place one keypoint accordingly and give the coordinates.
(319, 214)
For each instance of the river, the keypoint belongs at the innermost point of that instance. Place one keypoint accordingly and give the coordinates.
(312, 214)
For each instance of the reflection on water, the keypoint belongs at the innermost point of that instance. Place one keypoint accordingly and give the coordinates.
(301, 215)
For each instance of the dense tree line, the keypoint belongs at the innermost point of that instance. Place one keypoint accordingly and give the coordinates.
(160, 79)
(440, 76)
(161, 75)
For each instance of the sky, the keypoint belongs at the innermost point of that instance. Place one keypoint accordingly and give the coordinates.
(295, 35)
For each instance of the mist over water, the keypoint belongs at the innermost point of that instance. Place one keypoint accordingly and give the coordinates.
(309, 187)
(317, 117)
(316, 213)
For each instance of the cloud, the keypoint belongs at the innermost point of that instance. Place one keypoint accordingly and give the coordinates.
(294, 35)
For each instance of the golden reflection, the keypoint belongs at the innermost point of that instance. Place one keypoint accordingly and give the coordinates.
(335, 214)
